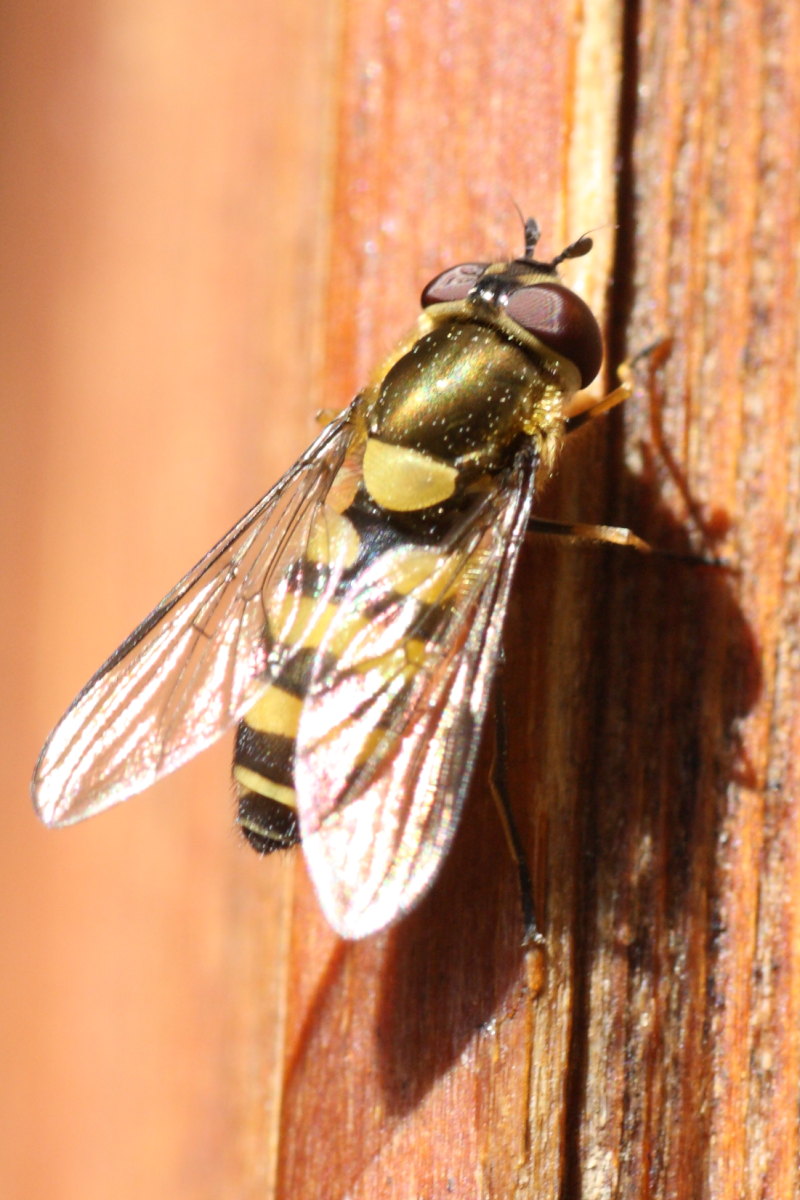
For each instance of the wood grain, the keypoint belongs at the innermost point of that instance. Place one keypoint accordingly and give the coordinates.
(654, 700)
(222, 218)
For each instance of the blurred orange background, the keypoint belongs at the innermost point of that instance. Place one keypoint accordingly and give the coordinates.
(161, 169)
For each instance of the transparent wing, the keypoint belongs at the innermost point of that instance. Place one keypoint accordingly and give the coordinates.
(195, 664)
(388, 735)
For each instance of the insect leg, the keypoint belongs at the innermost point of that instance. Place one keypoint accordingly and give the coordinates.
(584, 408)
(604, 535)
(498, 784)
(616, 535)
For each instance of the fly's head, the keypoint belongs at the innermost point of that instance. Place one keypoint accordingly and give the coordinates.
(531, 294)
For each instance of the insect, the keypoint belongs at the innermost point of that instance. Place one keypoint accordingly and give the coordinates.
(350, 623)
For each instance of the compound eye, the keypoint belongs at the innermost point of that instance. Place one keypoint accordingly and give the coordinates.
(564, 322)
(453, 284)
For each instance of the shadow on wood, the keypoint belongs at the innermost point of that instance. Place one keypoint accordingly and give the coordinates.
(626, 678)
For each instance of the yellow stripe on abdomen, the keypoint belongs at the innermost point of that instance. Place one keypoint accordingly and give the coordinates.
(254, 781)
(277, 712)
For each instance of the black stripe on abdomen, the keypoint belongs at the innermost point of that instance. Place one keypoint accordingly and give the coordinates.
(263, 771)
(261, 752)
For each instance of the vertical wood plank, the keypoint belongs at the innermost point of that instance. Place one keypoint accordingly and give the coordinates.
(418, 1062)
(714, 232)
(654, 700)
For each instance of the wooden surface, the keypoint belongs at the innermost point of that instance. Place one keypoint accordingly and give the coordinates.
(220, 220)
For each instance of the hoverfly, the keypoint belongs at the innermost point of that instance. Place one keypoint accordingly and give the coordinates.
(351, 622)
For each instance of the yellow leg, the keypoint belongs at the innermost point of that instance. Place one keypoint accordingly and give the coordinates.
(586, 407)
(498, 786)
(602, 535)
(616, 535)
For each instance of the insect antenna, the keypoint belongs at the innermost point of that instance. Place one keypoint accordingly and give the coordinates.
(575, 249)
(532, 235)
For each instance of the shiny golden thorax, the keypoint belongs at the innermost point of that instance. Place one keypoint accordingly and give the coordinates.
(464, 390)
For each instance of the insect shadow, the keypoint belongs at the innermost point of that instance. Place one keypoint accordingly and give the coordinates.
(626, 677)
